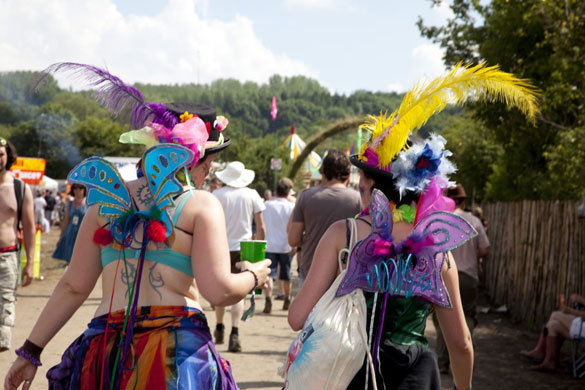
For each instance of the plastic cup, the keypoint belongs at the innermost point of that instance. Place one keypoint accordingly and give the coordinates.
(253, 250)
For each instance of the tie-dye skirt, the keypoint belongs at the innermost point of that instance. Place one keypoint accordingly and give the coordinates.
(171, 349)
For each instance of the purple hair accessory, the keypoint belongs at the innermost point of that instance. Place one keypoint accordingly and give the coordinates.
(409, 268)
(114, 94)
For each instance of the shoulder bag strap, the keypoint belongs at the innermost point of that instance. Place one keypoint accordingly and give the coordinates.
(352, 239)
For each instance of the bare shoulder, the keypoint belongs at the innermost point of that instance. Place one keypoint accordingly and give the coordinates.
(203, 201)
(335, 234)
(92, 214)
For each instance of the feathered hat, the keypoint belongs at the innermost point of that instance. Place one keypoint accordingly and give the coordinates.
(193, 125)
(412, 164)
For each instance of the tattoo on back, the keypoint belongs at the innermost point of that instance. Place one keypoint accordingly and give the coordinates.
(144, 195)
(155, 279)
(128, 278)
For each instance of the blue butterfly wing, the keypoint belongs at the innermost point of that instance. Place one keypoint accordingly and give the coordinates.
(160, 164)
(105, 186)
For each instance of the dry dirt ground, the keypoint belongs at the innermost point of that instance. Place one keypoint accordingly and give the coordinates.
(265, 340)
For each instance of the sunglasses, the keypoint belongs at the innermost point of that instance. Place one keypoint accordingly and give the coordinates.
(3, 142)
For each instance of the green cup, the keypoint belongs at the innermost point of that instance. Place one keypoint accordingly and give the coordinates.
(253, 250)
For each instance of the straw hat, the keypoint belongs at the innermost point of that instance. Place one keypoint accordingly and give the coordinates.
(236, 175)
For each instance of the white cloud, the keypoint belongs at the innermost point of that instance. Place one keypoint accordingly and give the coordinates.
(444, 10)
(310, 3)
(425, 63)
(394, 87)
(176, 46)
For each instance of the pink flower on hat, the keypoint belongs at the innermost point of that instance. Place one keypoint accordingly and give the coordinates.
(191, 134)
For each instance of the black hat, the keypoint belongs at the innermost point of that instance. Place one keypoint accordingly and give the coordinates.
(372, 170)
(216, 142)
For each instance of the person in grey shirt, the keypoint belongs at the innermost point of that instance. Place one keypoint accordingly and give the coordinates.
(318, 207)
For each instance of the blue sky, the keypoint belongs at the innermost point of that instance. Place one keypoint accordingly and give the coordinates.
(345, 44)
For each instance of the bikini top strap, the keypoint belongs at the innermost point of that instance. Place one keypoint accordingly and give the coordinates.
(180, 206)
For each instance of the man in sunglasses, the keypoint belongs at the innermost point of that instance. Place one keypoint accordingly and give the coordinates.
(16, 206)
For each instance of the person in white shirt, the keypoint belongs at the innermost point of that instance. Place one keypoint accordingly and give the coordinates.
(276, 216)
(40, 204)
(240, 206)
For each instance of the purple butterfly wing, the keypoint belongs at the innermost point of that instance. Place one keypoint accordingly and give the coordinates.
(448, 231)
(362, 258)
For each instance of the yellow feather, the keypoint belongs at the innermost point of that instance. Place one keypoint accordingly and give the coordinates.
(480, 82)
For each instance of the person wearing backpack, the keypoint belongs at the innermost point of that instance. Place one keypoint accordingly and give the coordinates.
(399, 266)
(16, 206)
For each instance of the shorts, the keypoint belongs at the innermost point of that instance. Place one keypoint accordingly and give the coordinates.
(235, 258)
(577, 329)
(9, 262)
(282, 259)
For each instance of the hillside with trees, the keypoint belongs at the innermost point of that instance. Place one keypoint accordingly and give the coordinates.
(500, 156)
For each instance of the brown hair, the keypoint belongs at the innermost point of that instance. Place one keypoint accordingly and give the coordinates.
(76, 185)
(283, 187)
(335, 165)
(10, 152)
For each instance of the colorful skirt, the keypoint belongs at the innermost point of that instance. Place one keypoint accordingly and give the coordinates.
(171, 349)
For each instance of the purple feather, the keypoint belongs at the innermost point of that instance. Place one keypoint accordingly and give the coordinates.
(115, 95)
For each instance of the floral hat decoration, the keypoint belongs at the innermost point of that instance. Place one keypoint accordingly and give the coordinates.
(413, 164)
(192, 125)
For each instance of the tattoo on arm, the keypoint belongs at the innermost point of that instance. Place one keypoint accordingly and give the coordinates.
(156, 280)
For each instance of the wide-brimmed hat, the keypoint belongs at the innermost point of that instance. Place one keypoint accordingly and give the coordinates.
(456, 192)
(236, 175)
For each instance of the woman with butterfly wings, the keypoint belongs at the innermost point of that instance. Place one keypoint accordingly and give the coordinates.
(401, 261)
(158, 245)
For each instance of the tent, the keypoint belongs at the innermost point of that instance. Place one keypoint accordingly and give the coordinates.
(296, 146)
(48, 183)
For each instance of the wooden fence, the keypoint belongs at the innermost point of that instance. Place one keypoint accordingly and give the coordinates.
(537, 253)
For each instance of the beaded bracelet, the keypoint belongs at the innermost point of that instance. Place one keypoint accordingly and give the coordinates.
(31, 352)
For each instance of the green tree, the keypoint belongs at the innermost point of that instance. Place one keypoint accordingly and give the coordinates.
(542, 41)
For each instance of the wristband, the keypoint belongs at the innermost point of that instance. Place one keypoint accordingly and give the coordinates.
(250, 311)
(255, 279)
(31, 352)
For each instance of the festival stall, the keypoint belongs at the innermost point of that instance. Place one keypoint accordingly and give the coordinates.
(32, 172)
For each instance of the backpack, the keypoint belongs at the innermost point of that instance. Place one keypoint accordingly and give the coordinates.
(330, 349)
(19, 188)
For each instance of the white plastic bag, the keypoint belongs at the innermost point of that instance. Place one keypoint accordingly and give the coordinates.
(331, 348)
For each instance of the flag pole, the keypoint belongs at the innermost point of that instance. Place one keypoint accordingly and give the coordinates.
(273, 112)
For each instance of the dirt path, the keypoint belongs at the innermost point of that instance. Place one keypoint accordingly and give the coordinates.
(265, 340)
